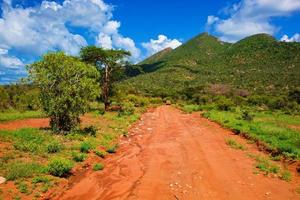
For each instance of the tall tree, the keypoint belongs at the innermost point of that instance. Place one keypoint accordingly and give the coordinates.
(66, 85)
(107, 62)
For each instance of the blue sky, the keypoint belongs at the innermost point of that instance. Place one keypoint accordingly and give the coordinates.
(30, 28)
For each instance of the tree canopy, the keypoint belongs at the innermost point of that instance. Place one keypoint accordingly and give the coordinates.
(67, 85)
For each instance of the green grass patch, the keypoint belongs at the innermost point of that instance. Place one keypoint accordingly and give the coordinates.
(278, 138)
(98, 166)
(78, 157)
(112, 149)
(23, 170)
(265, 166)
(59, 167)
(100, 153)
(17, 115)
(235, 145)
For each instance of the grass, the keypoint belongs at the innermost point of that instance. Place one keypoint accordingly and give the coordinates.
(100, 153)
(235, 145)
(271, 128)
(267, 167)
(16, 115)
(112, 149)
(98, 166)
(22, 170)
(40, 158)
(79, 157)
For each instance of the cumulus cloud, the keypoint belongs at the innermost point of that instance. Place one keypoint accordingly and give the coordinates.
(250, 17)
(32, 31)
(163, 42)
(294, 38)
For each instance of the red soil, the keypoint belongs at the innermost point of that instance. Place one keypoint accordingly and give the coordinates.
(171, 155)
(25, 123)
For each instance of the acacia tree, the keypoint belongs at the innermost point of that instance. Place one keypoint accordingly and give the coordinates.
(107, 62)
(66, 86)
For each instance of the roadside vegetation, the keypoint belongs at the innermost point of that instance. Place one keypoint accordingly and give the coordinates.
(251, 87)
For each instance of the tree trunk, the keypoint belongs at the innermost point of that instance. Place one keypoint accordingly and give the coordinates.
(105, 89)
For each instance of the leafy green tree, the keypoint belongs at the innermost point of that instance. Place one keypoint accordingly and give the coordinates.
(107, 62)
(66, 85)
(4, 99)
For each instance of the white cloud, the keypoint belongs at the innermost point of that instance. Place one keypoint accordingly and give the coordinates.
(250, 17)
(32, 31)
(156, 45)
(9, 62)
(294, 38)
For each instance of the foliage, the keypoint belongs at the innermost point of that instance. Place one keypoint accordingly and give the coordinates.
(112, 149)
(66, 86)
(22, 170)
(27, 140)
(54, 147)
(98, 166)
(90, 130)
(100, 153)
(272, 129)
(11, 115)
(235, 145)
(78, 157)
(85, 147)
(257, 65)
(107, 62)
(59, 167)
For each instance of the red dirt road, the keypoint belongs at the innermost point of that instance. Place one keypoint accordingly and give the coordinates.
(25, 123)
(171, 155)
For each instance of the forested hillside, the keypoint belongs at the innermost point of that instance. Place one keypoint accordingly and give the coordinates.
(258, 64)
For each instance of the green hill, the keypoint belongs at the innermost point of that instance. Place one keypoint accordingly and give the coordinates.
(258, 64)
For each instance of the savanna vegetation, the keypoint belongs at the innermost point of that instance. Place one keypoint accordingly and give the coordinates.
(251, 87)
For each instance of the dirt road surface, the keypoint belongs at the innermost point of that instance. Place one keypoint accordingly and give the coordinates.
(25, 123)
(170, 155)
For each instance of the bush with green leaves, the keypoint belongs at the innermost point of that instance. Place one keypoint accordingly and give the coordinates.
(85, 147)
(66, 85)
(59, 167)
(54, 147)
(90, 130)
(78, 157)
(224, 103)
(100, 153)
(98, 166)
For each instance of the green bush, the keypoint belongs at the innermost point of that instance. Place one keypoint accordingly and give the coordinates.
(90, 130)
(85, 147)
(112, 149)
(224, 103)
(127, 108)
(59, 167)
(74, 81)
(100, 153)
(78, 157)
(54, 147)
(98, 166)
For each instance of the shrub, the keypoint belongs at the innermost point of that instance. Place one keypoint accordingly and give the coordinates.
(247, 116)
(127, 108)
(85, 147)
(112, 149)
(90, 130)
(23, 187)
(73, 80)
(98, 166)
(54, 147)
(78, 157)
(224, 104)
(100, 153)
(59, 167)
